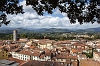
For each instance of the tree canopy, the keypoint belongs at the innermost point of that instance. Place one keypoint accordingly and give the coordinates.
(9, 7)
(83, 11)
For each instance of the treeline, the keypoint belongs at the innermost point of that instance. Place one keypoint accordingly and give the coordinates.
(52, 36)
(4, 36)
(31, 35)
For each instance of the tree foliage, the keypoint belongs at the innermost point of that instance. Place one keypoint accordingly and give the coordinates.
(9, 7)
(83, 11)
(77, 10)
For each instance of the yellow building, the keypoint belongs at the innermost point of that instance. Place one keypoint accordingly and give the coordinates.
(3, 54)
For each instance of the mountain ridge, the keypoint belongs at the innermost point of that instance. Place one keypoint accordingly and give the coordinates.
(39, 30)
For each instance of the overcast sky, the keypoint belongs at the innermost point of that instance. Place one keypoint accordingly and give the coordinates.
(31, 20)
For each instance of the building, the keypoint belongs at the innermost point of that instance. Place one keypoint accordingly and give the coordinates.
(88, 62)
(98, 48)
(3, 53)
(11, 62)
(15, 36)
(96, 56)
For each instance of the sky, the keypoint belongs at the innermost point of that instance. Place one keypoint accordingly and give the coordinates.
(30, 19)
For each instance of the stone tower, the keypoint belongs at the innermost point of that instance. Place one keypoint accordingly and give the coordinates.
(15, 36)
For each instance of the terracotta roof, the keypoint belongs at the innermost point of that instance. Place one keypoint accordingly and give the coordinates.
(42, 63)
(82, 56)
(64, 42)
(54, 58)
(45, 49)
(71, 57)
(29, 52)
(26, 52)
(1, 47)
(78, 44)
(97, 53)
(77, 50)
(2, 43)
(32, 47)
(88, 62)
(45, 41)
(36, 54)
(16, 60)
(10, 47)
(68, 61)
(74, 50)
(13, 45)
(47, 52)
(98, 47)
(75, 63)
(61, 56)
(15, 50)
(42, 56)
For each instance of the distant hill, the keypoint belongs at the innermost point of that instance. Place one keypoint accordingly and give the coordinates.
(54, 30)
(10, 30)
(89, 30)
(96, 29)
(42, 30)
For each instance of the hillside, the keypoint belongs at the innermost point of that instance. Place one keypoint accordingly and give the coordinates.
(50, 30)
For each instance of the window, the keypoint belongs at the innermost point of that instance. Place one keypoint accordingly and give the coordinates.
(3, 55)
(3, 52)
(61, 59)
(6, 51)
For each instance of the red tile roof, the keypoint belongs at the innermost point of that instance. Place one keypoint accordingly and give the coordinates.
(42, 56)
(16, 60)
(29, 52)
(43, 63)
(61, 56)
(78, 44)
(89, 62)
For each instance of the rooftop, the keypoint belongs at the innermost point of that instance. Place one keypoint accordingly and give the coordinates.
(89, 62)
(5, 62)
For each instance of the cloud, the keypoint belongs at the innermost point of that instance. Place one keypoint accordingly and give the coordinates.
(31, 20)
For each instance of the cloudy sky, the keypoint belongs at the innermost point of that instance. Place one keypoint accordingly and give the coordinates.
(31, 20)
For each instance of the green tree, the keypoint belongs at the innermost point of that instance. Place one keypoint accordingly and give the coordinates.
(23, 35)
(97, 36)
(9, 7)
(89, 55)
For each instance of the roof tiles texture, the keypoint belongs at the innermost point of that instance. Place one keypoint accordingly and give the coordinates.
(89, 62)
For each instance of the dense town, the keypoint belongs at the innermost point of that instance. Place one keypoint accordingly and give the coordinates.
(46, 52)
(49, 32)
